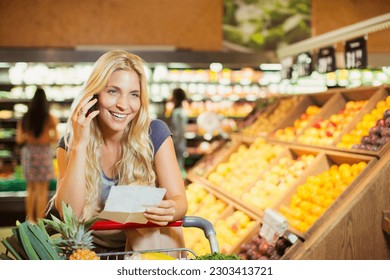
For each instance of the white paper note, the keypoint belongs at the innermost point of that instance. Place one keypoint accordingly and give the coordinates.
(127, 204)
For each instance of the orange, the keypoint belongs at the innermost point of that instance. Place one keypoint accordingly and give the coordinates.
(361, 166)
(310, 219)
(327, 202)
(317, 210)
(306, 206)
(381, 105)
(297, 213)
(295, 200)
(302, 226)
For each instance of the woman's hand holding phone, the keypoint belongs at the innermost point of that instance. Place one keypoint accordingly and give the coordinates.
(82, 118)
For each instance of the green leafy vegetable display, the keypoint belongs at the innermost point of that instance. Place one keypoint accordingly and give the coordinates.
(265, 25)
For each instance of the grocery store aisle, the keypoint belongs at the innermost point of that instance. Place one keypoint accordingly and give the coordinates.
(4, 232)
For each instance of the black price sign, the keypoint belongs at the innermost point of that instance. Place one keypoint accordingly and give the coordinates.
(304, 64)
(326, 60)
(356, 53)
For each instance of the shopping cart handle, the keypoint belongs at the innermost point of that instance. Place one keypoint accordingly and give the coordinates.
(111, 225)
(187, 221)
(206, 226)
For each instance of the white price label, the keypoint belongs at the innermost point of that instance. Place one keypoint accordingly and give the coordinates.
(273, 225)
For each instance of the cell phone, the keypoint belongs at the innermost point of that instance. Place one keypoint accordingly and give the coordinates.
(93, 108)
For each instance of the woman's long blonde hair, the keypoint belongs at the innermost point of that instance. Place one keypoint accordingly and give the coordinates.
(136, 164)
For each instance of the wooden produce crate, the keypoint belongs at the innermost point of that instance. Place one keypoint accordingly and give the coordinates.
(204, 203)
(231, 222)
(293, 164)
(206, 164)
(253, 236)
(302, 116)
(242, 167)
(234, 227)
(342, 109)
(272, 116)
(312, 200)
(261, 105)
(350, 138)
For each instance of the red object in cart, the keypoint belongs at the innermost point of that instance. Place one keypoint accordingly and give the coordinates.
(187, 221)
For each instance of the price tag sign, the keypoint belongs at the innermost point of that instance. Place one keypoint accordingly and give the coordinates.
(355, 53)
(273, 225)
(287, 64)
(304, 64)
(326, 60)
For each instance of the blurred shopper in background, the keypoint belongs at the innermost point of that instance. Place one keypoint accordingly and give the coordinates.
(179, 121)
(37, 131)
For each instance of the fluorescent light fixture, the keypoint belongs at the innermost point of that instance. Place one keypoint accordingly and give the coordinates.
(216, 67)
(178, 65)
(271, 67)
(5, 65)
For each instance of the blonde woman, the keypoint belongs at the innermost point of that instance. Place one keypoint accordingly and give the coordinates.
(110, 140)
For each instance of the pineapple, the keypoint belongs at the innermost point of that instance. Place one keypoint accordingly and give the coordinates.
(75, 238)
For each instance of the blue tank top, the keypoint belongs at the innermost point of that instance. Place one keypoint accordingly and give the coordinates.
(159, 131)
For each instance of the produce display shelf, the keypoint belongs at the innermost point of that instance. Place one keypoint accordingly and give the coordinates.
(324, 162)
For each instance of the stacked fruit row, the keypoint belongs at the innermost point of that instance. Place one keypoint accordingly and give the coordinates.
(312, 198)
(231, 224)
(259, 249)
(275, 182)
(373, 130)
(339, 126)
(244, 166)
(325, 131)
(203, 166)
(268, 120)
(289, 133)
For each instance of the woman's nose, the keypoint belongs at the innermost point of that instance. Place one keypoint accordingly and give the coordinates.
(122, 102)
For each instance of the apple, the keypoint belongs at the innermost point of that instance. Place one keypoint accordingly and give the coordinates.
(257, 240)
(242, 256)
(380, 122)
(263, 248)
(271, 250)
(372, 148)
(274, 256)
(387, 122)
(384, 140)
(385, 131)
(374, 130)
(317, 124)
(281, 245)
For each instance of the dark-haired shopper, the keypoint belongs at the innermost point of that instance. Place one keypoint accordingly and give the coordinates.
(37, 131)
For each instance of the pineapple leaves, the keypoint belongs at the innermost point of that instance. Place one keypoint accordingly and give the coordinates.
(73, 234)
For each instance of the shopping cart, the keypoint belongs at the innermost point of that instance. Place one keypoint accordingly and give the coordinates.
(179, 253)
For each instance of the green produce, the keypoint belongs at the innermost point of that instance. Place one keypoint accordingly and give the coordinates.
(29, 242)
(217, 256)
(75, 240)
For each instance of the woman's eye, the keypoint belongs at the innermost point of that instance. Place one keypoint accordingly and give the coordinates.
(135, 94)
(112, 91)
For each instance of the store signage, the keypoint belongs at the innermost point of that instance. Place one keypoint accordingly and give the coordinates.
(355, 53)
(326, 60)
(287, 67)
(304, 64)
